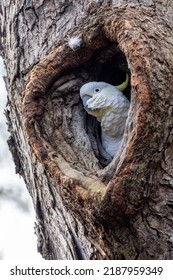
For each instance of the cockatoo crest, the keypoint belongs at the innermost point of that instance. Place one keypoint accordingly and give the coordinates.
(109, 105)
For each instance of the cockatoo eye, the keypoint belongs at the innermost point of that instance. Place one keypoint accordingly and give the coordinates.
(97, 90)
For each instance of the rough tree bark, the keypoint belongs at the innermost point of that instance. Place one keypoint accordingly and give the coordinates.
(87, 205)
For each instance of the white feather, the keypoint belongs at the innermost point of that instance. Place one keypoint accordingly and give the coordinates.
(75, 43)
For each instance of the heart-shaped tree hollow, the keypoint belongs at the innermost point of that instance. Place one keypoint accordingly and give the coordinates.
(66, 140)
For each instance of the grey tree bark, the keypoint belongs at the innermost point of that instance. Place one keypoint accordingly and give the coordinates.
(87, 205)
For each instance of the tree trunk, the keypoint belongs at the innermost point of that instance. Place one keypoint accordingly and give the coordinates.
(89, 206)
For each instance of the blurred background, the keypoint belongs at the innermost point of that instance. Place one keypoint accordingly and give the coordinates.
(17, 238)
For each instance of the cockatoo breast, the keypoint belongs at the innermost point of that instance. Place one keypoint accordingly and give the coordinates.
(113, 120)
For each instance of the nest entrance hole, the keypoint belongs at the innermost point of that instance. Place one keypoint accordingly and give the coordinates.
(71, 132)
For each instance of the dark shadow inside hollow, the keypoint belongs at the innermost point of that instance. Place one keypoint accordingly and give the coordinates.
(109, 65)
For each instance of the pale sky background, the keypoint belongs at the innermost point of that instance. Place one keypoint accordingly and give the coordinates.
(17, 238)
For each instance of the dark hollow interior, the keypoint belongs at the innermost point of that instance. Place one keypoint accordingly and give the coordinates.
(109, 65)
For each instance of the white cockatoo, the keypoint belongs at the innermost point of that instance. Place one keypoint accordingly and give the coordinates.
(110, 106)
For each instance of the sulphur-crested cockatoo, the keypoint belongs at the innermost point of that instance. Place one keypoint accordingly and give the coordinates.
(110, 106)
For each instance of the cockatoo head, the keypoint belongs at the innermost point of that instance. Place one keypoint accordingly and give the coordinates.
(91, 89)
(97, 97)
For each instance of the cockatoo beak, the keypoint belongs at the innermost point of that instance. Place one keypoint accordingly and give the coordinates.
(84, 101)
